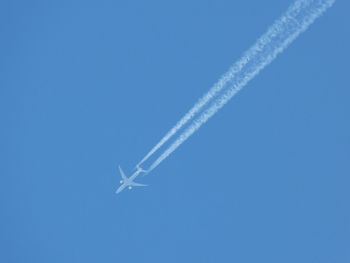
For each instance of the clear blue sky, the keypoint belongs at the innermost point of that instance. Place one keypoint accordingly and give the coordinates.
(87, 85)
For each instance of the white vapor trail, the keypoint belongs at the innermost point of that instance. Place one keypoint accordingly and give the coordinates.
(298, 17)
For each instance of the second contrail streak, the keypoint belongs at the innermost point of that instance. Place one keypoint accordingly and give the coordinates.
(299, 16)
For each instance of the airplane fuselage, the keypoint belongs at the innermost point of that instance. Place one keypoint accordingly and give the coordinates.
(121, 188)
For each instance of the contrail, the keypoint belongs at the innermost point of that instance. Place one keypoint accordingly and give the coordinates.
(261, 44)
(298, 17)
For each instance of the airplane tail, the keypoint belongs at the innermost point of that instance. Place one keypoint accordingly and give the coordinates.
(140, 169)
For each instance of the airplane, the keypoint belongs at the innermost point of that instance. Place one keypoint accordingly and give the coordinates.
(129, 182)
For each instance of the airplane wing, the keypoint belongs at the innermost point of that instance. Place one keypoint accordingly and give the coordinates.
(122, 173)
(136, 184)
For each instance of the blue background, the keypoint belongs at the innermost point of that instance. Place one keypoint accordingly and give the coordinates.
(87, 85)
